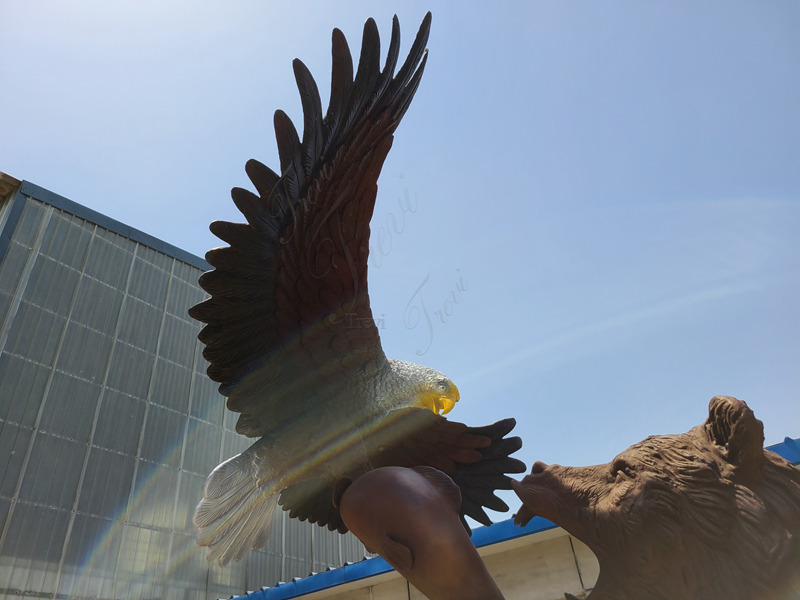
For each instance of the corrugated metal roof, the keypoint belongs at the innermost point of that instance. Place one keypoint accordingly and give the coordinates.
(484, 536)
(32, 190)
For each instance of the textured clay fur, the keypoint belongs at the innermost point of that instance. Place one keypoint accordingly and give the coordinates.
(705, 514)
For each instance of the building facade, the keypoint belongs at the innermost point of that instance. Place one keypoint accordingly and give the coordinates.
(108, 423)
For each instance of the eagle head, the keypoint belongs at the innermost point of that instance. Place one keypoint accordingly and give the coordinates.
(440, 395)
(421, 386)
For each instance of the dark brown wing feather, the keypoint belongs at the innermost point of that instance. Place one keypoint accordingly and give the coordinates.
(293, 280)
(477, 459)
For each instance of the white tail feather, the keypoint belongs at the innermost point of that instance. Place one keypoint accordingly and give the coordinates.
(236, 512)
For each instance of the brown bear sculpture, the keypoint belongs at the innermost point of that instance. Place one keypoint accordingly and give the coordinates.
(705, 514)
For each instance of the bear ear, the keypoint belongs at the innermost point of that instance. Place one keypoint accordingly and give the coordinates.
(733, 426)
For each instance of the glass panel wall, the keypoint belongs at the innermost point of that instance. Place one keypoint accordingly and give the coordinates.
(109, 425)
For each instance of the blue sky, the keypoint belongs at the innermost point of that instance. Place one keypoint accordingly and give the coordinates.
(597, 205)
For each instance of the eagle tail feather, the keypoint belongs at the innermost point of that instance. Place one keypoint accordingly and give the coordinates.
(236, 512)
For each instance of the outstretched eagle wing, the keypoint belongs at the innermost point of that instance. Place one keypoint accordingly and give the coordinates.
(286, 291)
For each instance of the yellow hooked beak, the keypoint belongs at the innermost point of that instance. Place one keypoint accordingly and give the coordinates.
(439, 403)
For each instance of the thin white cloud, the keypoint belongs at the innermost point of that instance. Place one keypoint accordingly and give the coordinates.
(572, 342)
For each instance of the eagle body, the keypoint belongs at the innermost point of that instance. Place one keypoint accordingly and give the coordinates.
(322, 400)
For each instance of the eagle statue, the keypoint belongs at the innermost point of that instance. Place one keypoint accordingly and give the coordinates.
(320, 396)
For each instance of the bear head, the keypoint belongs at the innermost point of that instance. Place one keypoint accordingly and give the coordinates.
(704, 514)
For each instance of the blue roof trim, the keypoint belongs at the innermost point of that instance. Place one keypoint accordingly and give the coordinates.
(483, 536)
(506, 530)
(321, 581)
(789, 449)
(39, 193)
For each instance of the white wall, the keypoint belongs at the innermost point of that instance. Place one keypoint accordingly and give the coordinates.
(541, 566)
